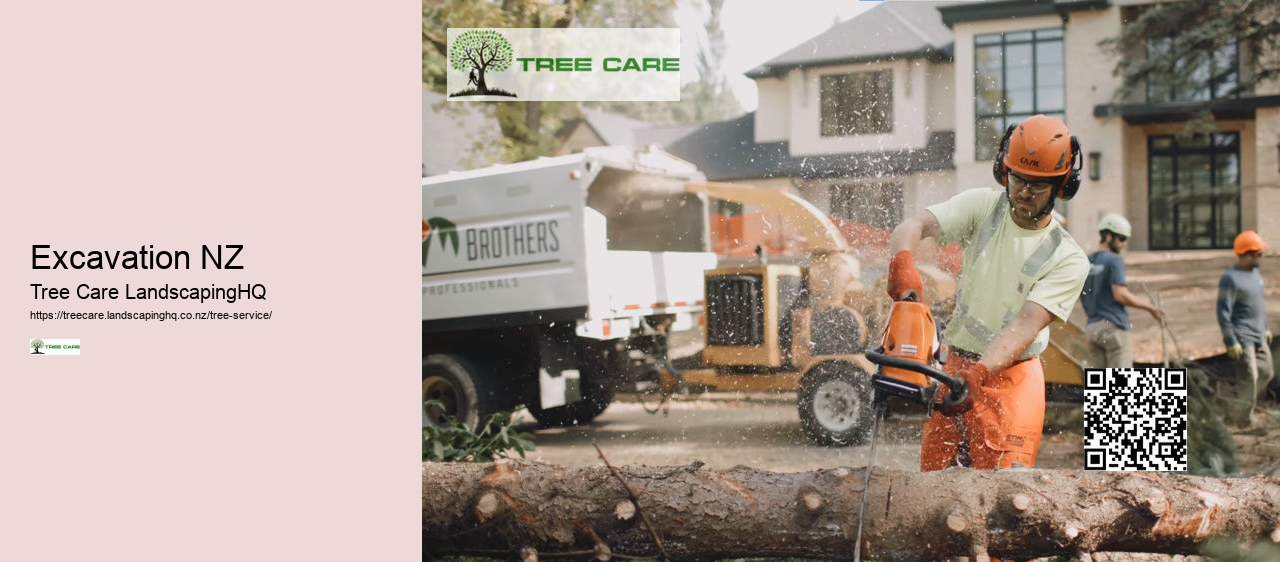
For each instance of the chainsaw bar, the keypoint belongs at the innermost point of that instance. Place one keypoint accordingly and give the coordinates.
(880, 404)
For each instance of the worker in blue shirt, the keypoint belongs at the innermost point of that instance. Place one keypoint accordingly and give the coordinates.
(1105, 296)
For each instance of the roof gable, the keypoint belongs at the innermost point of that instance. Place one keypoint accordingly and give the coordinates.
(894, 29)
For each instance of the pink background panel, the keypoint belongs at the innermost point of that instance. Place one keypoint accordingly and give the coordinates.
(290, 128)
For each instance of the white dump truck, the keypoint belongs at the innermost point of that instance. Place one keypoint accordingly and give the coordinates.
(553, 282)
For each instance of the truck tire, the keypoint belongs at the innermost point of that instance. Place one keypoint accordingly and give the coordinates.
(459, 385)
(596, 397)
(835, 405)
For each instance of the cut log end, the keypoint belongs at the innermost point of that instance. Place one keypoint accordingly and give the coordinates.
(1021, 502)
(487, 506)
(812, 501)
(956, 522)
(1157, 505)
(528, 554)
(1275, 535)
(624, 510)
(603, 553)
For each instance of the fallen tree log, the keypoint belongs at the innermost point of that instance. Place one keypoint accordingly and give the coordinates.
(697, 513)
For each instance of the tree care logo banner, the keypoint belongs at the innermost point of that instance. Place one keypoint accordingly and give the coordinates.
(54, 347)
(578, 64)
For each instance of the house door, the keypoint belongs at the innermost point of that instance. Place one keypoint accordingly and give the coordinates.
(1194, 191)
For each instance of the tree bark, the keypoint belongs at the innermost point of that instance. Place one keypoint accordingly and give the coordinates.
(698, 513)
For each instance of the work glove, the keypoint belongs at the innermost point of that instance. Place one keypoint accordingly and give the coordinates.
(973, 376)
(904, 278)
(1235, 351)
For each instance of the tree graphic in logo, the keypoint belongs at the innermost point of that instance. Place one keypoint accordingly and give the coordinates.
(476, 52)
(36, 345)
(448, 234)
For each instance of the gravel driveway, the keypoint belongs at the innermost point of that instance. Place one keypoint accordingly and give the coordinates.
(761, 431)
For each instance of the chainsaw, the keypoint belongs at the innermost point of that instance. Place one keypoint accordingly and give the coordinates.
(909, 356)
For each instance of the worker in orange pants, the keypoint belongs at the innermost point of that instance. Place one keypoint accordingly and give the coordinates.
(1021, 272)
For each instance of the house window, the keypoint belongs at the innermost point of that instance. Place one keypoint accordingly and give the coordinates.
(1016, 75)
(1202, 78)
(860, 103)
(870, 203)
(1194, 191)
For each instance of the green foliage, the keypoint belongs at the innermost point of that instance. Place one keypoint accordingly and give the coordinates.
(707, 99)
(484, 49)
(1211, 451)
(456, 443)
(1189, 34)
(629, 13)
(529, 128)
(439, 15)
(1230, 550)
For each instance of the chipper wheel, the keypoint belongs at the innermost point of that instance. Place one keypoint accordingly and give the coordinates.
(835, 404)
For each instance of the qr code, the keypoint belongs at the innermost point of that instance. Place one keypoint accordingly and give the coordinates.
(1135, 419)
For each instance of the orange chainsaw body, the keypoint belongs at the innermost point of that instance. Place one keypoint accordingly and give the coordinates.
(910, 334)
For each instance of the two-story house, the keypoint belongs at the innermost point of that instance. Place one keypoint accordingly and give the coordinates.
(859, 120)
(1018, 58)
(904, 105)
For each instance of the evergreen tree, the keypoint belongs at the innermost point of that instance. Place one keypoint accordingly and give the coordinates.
(1182, 51)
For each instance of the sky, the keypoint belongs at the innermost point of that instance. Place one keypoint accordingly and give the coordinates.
(754, 35)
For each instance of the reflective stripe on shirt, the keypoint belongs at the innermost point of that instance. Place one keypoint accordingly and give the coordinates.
(1030, 268)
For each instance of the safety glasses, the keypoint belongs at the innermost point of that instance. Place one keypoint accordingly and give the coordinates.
(1037, 187)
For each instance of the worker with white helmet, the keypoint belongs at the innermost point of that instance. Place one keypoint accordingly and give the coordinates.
(1242, 316)
(1106, 294)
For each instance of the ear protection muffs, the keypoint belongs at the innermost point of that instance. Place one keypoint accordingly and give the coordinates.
(1072, 185)
(998, 169)
(1071, 182)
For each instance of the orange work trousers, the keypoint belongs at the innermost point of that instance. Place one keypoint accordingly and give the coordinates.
(1002, 430)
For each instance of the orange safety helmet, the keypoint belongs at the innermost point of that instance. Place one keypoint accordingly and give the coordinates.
(1040, 147)
(1249, 241)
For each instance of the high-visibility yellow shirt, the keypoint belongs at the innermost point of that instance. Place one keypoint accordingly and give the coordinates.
(1005, 266)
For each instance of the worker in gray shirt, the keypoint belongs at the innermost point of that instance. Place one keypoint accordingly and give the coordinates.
(1242, 316)
(1105, 296)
